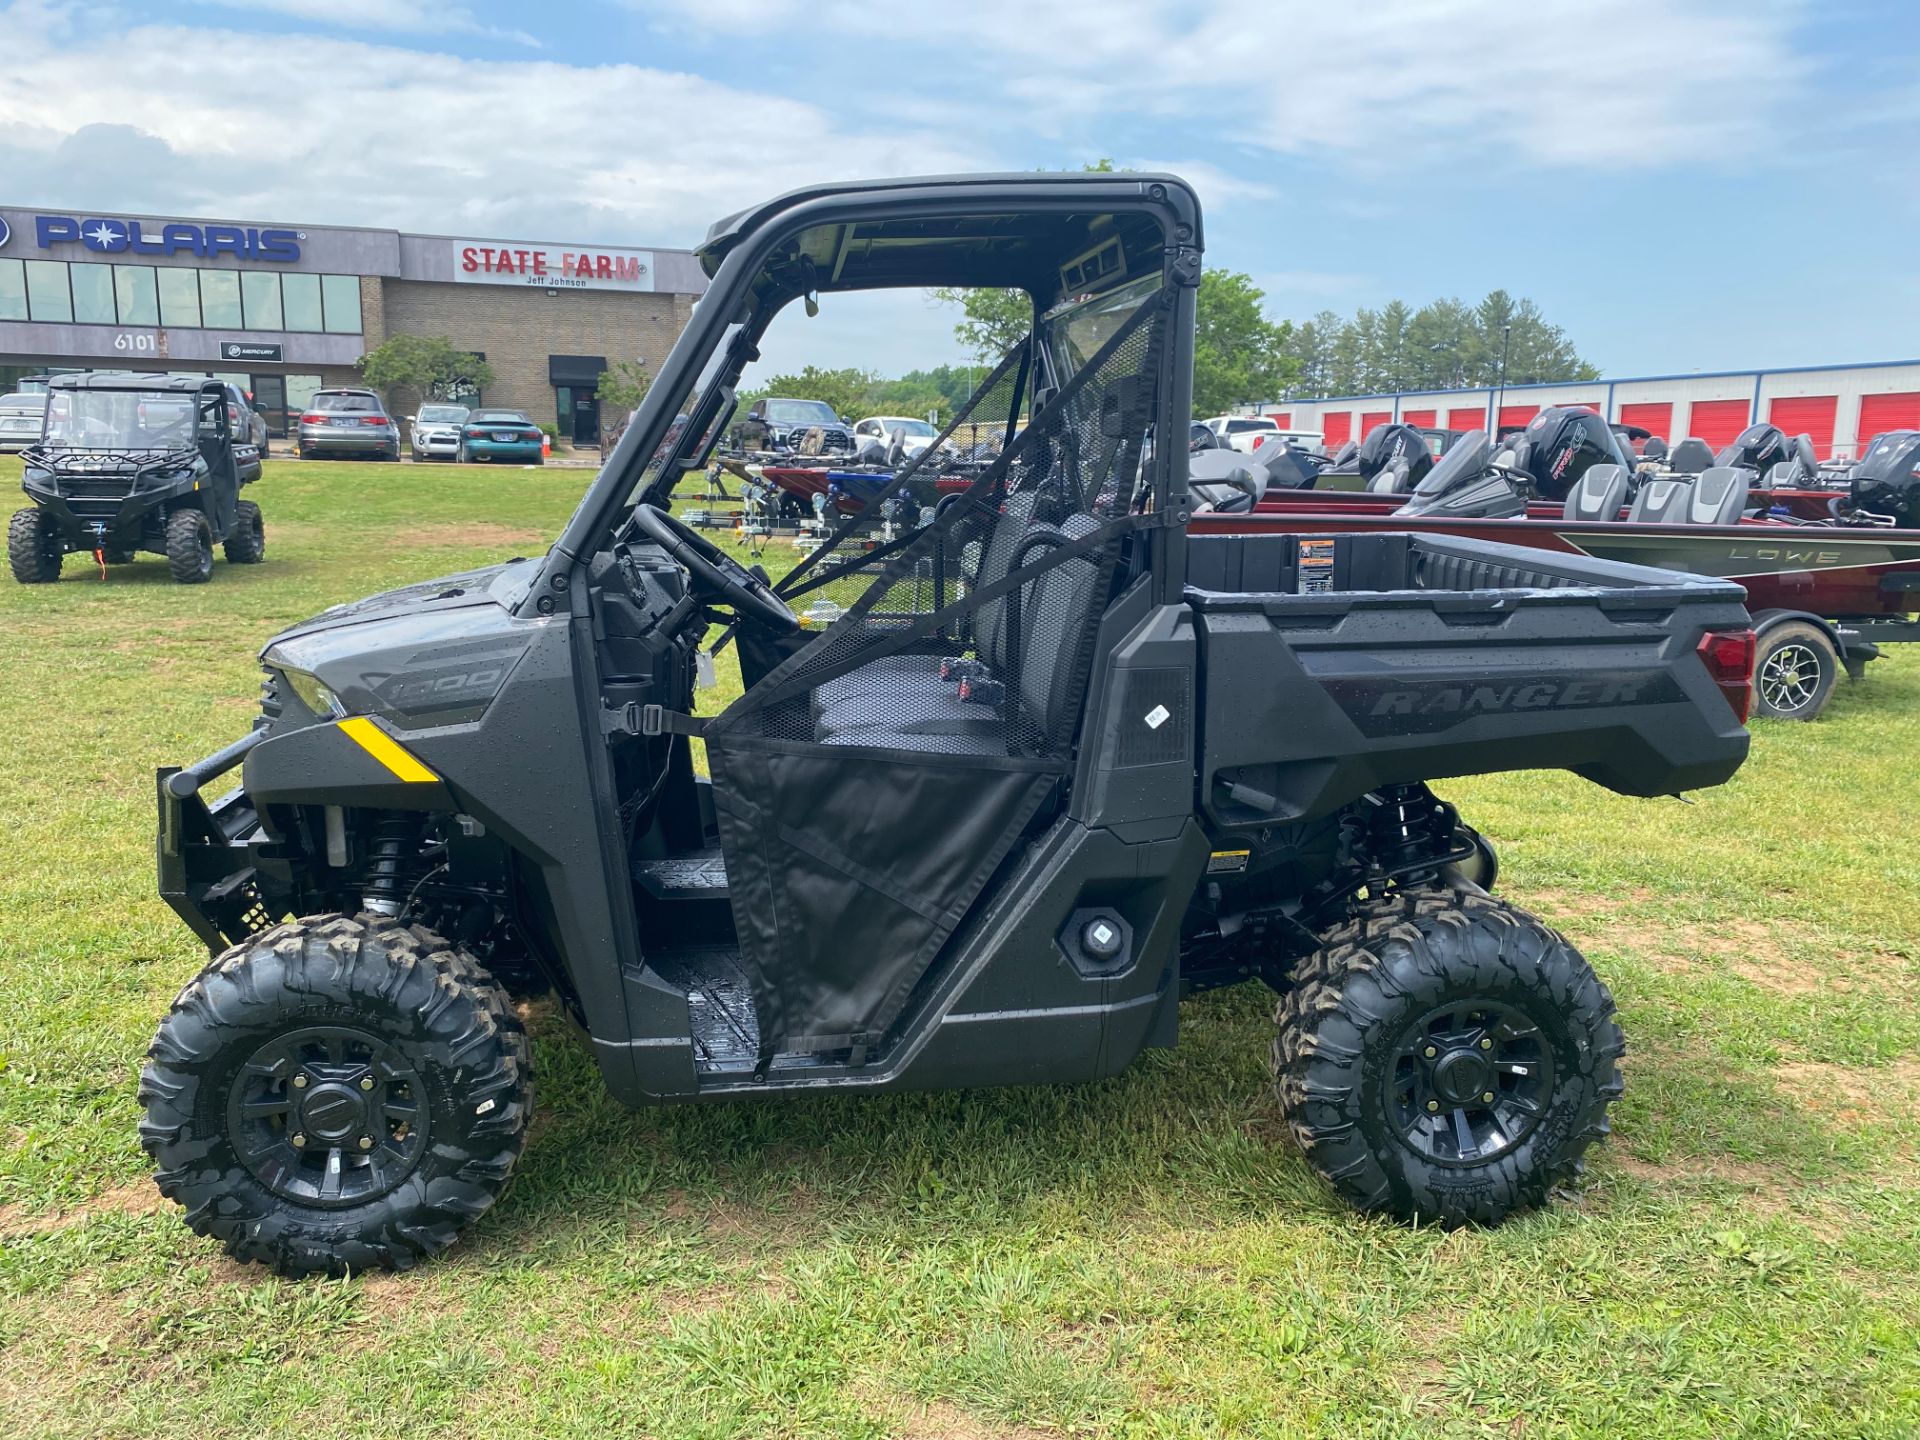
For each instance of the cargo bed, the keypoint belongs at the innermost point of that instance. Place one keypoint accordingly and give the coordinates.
(1382, 658)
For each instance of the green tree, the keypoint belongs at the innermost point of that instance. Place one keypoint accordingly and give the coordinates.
(1238, 353)
(429, 366)
(846, 390)
(621, 388)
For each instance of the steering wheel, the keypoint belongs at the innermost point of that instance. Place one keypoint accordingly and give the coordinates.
(724, 578)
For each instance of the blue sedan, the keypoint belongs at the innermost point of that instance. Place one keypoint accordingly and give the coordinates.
(501, 435)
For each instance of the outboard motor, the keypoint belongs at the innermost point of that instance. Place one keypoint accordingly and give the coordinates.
(1394, 459)
(1886, 480)
(1463, 486)
(1289, 468)
(1343, 457)
(1562, 443)
(1757, 448)
(871, 453)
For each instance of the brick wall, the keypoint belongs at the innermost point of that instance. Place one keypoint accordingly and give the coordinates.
(517, 328)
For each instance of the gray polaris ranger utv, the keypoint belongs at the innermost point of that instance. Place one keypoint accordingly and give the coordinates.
(1055, 765)
(136, 462)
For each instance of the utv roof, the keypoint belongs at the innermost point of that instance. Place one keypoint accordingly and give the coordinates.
(130, 380)
(942, 250)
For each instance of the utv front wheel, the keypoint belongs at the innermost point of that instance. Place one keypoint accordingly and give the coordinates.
(189, 547)
(1445, 1057)
(34, 550)
(337, 1094)
(247, 545)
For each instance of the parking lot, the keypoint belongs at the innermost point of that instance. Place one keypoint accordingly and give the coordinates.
(1147, 1255)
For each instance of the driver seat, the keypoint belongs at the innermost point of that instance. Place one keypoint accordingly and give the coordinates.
(1597, 495)
(1690, 456)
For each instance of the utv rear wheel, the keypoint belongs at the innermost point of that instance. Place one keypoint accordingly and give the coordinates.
(189, 547)
(1794, 671)
(247, 545)
(337, 1094)
(34, 550)
(1445, 1057)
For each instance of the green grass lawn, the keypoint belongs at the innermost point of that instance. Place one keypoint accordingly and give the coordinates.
(1143, 1257)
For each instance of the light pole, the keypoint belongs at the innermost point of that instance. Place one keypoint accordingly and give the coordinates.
(1506, 336)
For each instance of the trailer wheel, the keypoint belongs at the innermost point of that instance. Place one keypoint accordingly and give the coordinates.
(189, 547)
(1795, 671)
(337, 1094)
(34, 550)
(1446, 1057)
(247, 545)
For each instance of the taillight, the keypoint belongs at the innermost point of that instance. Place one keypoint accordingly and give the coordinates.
(374, 420)
(313, 419)
(1728, 656)
(476, 434)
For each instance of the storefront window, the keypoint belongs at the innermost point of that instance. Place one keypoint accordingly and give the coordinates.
(342, 296)
(13, 291)
(92, 293)
(300, 390)
(260, 289)
(133, 289)
(301, 294)
(220, 300)
(179, 298)
(47, 295)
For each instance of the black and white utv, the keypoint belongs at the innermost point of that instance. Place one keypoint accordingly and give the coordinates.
(1056, 765)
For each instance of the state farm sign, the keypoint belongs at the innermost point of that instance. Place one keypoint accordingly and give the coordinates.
(554, 267)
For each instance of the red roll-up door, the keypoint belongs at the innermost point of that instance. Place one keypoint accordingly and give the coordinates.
(1517, 414)
(1419, 419)
(1593, 405)
(1373, 418)
(1282, 418)
(1337, 427)
(1811, 415)
(1881, 413)
(1717, 421)
(1653, 416)
(1463, 417)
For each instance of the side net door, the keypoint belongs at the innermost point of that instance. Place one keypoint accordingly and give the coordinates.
(869, 785)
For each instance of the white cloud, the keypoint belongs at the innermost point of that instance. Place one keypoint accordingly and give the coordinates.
(409, 17)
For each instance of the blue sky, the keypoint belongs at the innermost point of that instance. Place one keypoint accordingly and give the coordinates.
(1682, 184)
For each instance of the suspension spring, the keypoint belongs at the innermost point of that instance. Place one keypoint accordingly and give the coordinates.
(1407, 830)
(385, 889)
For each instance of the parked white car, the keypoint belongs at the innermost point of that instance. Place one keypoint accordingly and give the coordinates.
(916, 435)
(1247, 433)
(435, 432)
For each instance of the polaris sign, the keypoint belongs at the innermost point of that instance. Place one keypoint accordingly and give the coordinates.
(125, 237)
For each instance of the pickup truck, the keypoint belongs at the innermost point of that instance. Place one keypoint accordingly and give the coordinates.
(1050, 764)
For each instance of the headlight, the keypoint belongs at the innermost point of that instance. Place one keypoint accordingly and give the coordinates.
(312, 694)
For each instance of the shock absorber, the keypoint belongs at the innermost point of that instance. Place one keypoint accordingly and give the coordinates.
(385, 889)
(1409, 832)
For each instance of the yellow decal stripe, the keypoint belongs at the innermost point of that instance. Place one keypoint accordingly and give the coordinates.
(388, 751)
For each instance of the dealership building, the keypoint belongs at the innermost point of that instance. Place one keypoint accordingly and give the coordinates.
(285, 310)
(1841, 407)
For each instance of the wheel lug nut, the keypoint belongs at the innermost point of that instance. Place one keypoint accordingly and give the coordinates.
(1430, 1052)
(366, 1082)
(1433, 1104)
(1488, 1097)
(366, 1142)
(1486, 1044)
(299, 1082)
(299, 1140)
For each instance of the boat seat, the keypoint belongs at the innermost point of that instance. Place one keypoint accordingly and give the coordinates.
(1690, 456)
(1662, 500)
(1598, 494)
(1719, 496)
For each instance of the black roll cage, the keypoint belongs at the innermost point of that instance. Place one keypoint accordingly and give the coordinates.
(736, 255)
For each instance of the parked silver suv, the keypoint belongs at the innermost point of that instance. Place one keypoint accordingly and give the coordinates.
(435, 432)
(347, 422)
(23, 415)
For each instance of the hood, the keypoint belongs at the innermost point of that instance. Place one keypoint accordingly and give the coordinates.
(503, 585)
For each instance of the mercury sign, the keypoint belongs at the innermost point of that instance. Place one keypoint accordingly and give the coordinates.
(480, 262)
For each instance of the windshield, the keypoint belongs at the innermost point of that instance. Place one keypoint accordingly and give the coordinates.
(121, 419)
(442, 414)
(801, 412)
(915, 429)
(1241, 427)
(325, 401)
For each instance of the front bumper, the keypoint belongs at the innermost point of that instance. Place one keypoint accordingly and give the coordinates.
(437, 445)
(207, 855)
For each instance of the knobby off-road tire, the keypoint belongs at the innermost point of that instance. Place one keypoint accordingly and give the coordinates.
(337, 1094)
(34, 550)
(189, 547)
(1392, 1035)
(247, 545)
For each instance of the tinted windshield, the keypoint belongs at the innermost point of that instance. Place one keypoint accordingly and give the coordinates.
(500, 417)
(1240, 427)
(121, 419)
(919, 428)
(443, 414)
(325, 401)
(801, 412)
